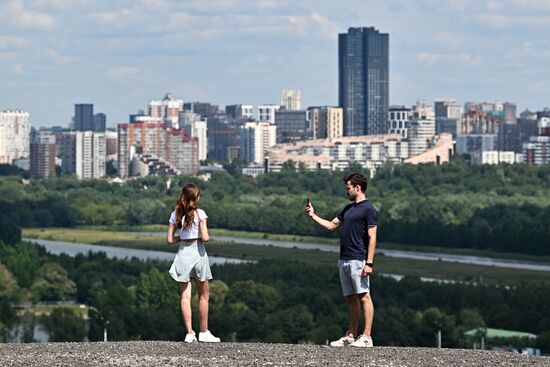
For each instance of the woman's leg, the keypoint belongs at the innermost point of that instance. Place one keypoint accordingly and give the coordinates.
(204, 294)
(185, 300)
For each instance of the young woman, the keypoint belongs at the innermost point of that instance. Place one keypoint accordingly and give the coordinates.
(188, 228)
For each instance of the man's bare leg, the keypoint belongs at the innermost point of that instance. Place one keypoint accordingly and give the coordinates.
(354, 309)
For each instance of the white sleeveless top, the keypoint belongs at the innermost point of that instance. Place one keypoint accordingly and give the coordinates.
(194, 231)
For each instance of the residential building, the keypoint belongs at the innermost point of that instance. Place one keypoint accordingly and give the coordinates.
(266, 112)
(256, 138)
(398, 122)
(204, 109)
(84, 117)
(537, 151)
(240, 111)
(84, 153)
(363, 77)
(291, 99)
(15, 128)
(172, 146)
(167, 110)
(448, 113)
(196, 127)
(371, 151)
(291, 125)
(326, 122)
(421, 133)
(100, 122)
(42, 154)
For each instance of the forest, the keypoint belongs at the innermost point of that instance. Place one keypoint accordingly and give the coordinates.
(266, 301)
(504, 208)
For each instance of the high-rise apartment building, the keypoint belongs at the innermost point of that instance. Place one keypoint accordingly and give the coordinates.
(84, 117)
(421, 132)
(173, 146)
(167, 110)
(266, 112)
(84, 153)
(291, 125)
(100, 122)
(240, 111)
(326, 122)
(196, 127)
(15, 128)
(42, 154)
(503, 112)
(447, 116)
(256, 138)
(291, 99)
(398, 122)
(537, 151)
(363, 78)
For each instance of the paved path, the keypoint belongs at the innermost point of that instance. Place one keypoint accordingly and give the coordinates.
(137, 354)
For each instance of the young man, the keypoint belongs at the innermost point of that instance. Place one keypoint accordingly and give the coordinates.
(357, 244)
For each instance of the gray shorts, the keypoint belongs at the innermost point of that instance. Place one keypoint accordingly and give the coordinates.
(350, 277)
(191, 261)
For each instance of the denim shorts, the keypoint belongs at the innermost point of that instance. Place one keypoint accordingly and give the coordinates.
(350, 277)
(191, 261)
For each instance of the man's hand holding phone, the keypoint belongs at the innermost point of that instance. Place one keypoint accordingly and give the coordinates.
(309, 208)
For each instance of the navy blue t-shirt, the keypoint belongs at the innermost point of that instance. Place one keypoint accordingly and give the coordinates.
(354, 238)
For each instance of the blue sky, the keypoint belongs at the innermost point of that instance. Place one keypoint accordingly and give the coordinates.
(120, 54)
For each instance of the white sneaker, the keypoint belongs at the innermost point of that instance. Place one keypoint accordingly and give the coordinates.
(207, 337)
(190, 338)
(363, 342)
(342, 342)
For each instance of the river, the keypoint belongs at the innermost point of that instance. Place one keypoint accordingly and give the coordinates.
(57, 247)
(73, 249)
(417, 255)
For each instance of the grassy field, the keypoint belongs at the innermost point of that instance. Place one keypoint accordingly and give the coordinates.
(384, 264)
(334, 241)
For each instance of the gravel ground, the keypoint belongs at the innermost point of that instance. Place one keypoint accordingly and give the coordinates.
(137, 354)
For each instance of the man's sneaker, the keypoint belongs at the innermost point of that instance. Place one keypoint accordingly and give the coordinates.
(190, 338)
(342, 342)
(362, 342)
(207, 337)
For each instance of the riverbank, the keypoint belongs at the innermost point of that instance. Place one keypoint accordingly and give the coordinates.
(384, 264)
(335, 242)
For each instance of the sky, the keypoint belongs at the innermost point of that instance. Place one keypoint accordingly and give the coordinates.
(120, 54)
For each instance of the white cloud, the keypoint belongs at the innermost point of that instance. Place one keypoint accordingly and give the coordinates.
(112, 18)
(122, 73)
(448, 39)
(534, 4)
(18, 69)
(8, 41)
(430, 58)
(505, 21)
(58, 58)
(17, 15)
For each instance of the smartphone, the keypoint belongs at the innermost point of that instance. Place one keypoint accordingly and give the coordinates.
(308, 202)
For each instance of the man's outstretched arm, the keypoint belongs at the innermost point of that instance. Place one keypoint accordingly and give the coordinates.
(331, 226)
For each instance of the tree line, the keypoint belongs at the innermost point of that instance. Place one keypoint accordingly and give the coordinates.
(502, 208)
(267, 301)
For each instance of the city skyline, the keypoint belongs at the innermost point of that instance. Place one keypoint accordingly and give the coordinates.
(225, 52)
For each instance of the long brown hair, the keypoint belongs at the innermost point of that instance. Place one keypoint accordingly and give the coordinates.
(186, 206)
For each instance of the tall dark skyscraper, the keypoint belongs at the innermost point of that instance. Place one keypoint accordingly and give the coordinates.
(83, 116)
(363, 78)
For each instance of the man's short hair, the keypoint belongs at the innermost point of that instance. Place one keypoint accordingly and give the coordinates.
(357, 179)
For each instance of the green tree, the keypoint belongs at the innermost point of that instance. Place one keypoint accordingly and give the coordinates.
(258, 297)
(64, 325)
(9, 289)
(53, 284)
